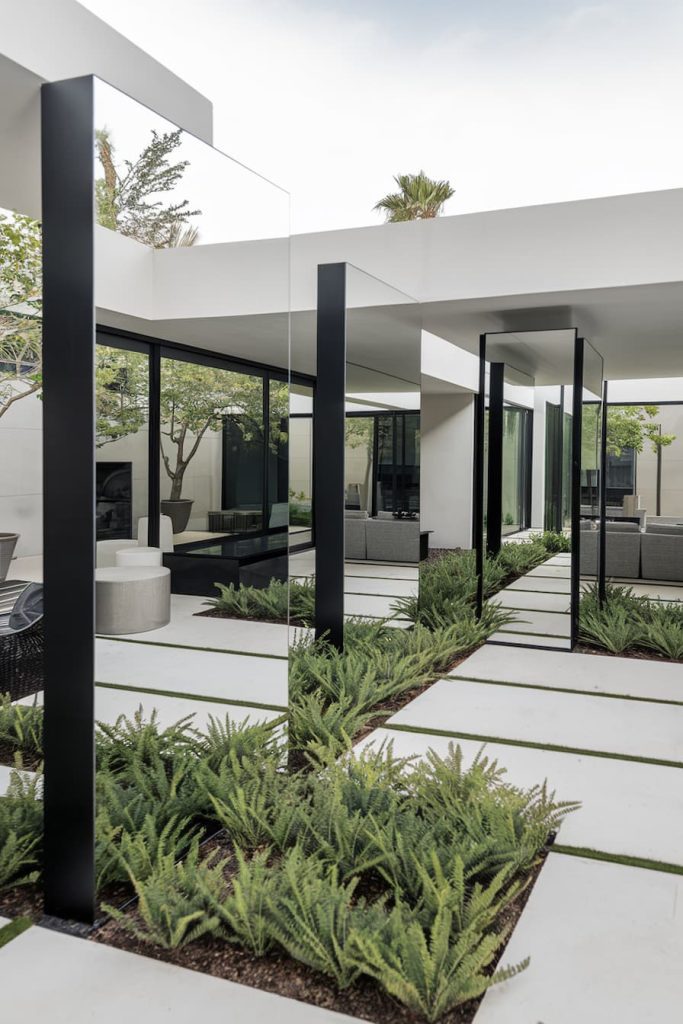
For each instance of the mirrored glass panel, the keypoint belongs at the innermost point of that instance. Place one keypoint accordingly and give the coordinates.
(192, 427)
(527, 485)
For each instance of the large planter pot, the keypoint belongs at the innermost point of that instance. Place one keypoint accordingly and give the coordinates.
(8, 542)
(179, 512)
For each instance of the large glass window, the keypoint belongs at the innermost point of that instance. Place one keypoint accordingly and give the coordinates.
(122, 438)
(382, 462)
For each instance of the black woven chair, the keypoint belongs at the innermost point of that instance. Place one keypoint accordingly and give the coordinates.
(21, 644)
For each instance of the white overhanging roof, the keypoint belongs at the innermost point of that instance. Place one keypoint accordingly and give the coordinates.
(611, 267)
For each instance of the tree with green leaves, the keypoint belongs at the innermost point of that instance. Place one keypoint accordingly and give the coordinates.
(121, 393)
(634, 426)
(196, 400)
(418, 198)
(128, 195)
(20, 309)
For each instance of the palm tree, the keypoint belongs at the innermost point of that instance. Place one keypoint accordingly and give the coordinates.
(419, 198)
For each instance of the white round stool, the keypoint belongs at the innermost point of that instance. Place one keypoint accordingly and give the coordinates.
(139, 556)
(132, 599)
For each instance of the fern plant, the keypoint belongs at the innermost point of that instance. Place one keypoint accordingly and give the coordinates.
(433, 971)
(173, 903)
(314, 917)
(21, 830)
(21, 727)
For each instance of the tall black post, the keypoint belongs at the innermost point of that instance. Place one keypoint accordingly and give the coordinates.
(577, 420)
(69, 497)
(154, 449)
(494, 493)
(602, 526)
(328, 453)
(478, 474)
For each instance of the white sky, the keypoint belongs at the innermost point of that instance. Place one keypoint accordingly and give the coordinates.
(515, 101)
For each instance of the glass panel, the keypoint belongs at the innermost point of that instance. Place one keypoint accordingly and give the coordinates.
(535, 466)
(622, 550)
(382, 501)
(122, 455)
(174, 269)
(300, 465)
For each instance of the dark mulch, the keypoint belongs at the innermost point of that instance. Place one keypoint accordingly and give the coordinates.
(214, 613)
(285, 976)
(27, 900)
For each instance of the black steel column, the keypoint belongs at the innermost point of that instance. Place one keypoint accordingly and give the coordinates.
(602, 526)
(494, 493)
(478, 474)
(577, 418)
(154, 450)
(69, 497)
(329, 423)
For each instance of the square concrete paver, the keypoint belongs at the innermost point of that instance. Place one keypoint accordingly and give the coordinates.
(552, 571)
(606, 945)
(48, 976)
(111, 703)
(592, 673)
(627, 809)
(550, 624)
(221, 675)
(187, 629)
(634, 728)
(541, 584)
(529, 599)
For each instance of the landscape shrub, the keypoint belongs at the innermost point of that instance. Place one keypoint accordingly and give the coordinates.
(21, 830)
(21, 727)
(625, 623)
(274, 603)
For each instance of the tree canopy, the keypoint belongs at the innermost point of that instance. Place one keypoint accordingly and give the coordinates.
(20, 308)
(128, 195)
(418, 198)
(634, 426)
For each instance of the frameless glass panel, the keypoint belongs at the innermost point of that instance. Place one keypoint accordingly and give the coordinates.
(383, 540)
(622, 552)
(122, 454)
(527, 485)
(300, 465)
(193, 434)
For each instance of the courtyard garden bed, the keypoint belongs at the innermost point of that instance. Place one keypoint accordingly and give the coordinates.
(630, 626)
(367, 883)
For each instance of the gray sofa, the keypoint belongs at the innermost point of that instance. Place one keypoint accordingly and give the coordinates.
(656, 554)
(382, 539)
(661, 552)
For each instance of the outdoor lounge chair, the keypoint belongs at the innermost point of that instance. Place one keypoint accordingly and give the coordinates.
(21, 638)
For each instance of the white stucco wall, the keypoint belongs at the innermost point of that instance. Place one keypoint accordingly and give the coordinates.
(446, 464)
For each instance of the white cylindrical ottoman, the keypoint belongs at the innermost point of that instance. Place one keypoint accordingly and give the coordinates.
(139, 556)
(107, 551)
(132, 599)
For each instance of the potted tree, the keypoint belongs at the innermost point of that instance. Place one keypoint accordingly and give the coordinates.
(195, 401)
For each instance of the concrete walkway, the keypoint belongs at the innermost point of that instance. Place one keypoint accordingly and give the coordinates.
(604, 923)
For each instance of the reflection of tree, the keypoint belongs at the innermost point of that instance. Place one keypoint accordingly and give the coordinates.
(360, 434)
(128, 195)
(121, 383)
(418, 198)
(20, 309)
(634, 426)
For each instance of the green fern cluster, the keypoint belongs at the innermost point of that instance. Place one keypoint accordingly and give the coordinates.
(21, 830)
(443, 849)
(21, 727)
(274, 603)
(625, 623)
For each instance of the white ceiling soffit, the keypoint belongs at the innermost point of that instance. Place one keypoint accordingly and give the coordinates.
(49, 41)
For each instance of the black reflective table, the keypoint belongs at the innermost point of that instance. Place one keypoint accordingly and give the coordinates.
(251, 561)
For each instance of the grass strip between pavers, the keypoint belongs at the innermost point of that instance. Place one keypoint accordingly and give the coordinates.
(13, 929)
(529, 632)
(532, 745)
(188, 647)
(194, 696)
(617, 858)
(567, 689)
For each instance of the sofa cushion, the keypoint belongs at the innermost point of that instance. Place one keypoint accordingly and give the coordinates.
(355, 513)
(671, 529)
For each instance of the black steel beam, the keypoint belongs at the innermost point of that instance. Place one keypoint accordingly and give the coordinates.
(328, 453)
(478, 472)
(577, 418)
(69, 497)
(494, 491)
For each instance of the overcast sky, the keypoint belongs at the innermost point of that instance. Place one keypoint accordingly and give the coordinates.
(514, 101)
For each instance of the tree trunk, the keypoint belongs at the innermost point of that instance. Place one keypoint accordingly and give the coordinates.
(177, 483)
